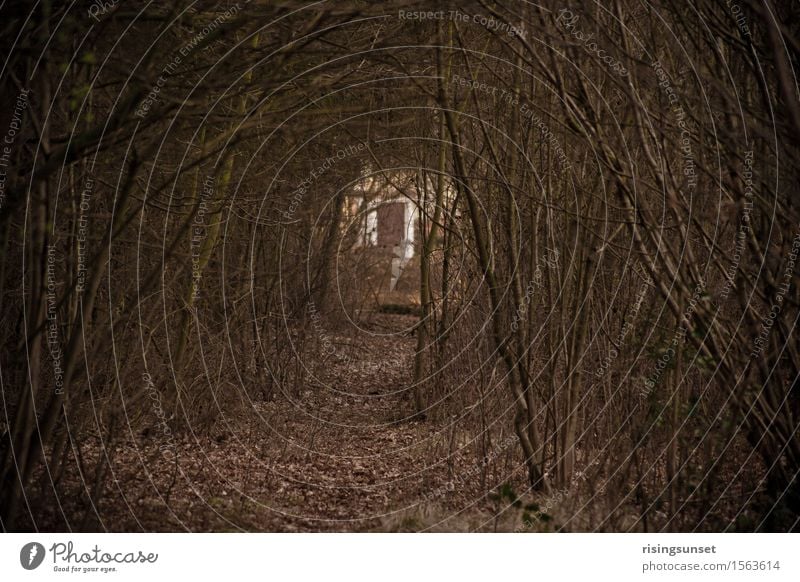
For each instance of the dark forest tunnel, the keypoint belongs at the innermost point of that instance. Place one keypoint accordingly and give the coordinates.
(399, 267)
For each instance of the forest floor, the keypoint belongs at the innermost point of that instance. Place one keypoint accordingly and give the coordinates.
(342, 455)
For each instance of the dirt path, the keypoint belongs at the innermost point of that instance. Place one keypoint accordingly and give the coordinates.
(350, 453)
(341, 456)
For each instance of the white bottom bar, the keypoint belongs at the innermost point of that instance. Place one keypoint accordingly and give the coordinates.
(400, 557)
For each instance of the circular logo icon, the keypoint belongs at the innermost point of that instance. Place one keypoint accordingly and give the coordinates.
(31, 555)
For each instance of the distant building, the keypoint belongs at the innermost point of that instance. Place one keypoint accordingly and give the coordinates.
(386, 219)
